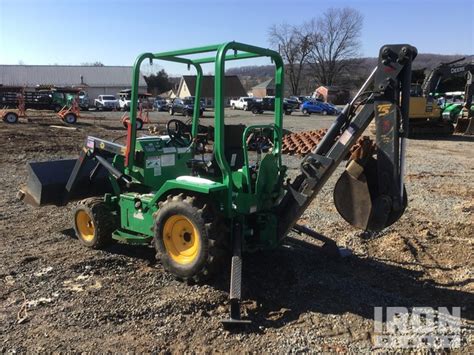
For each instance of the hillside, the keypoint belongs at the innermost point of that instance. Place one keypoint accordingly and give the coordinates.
(360, 69)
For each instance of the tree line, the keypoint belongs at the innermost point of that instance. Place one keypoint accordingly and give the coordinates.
(327, 46)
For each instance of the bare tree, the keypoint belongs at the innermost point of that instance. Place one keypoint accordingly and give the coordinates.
(294, 46)
(93, 64)
(335, 41)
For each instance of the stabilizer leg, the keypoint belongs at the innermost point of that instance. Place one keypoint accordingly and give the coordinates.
(235, 293)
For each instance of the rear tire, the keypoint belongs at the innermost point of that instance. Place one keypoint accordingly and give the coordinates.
(324, 113)
(70, 118)
(255, 111)
(94, 223)
(171, 112)
(305, 111)
(187, 238)
(10, 117)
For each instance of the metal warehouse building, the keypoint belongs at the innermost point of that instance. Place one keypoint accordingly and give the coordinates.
(93, 79)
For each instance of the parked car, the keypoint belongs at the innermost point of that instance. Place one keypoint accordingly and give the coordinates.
(184, 107)
(125, 98)
(317, 106)
(242, 103)
(124, 102)
(160, 104)
(295, 104)
(203, 103)
(268, 104)
(83, 101)
(106, 102)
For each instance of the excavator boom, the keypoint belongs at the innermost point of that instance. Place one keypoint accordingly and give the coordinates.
(370, 194)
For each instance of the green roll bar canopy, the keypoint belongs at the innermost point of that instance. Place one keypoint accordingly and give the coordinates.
(240, 51)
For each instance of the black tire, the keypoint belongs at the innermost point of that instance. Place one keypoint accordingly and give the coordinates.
(70, 118)
(10, 117)
(171, 112)
(208, 254)
(324, 113)
(139, 123)
(233, 107)
(57, 108)
(97, 233)
(287, 113)
(305, 111)
(187, 113)
(255, 111)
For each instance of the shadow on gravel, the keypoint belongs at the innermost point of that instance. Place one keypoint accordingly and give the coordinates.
(453, 138)
(301, 278)
(142, 252)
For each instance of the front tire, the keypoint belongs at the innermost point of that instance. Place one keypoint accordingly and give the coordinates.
(10, 117)
(187, 239)
(94, 223)
(70, 118)
(305, 111)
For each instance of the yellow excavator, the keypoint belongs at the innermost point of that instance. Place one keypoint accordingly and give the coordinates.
(425, 113)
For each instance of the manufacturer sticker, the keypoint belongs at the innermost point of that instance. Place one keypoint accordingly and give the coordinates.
(169, 150)
(346, 135)
(153, 162)
(138, 215)
(167, 160)
(233, 158)
(90, 144)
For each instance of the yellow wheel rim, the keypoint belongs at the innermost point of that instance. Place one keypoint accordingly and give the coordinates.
(85, 226)
(182, 239)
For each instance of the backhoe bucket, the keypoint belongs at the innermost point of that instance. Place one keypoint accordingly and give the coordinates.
(358, 201)
(46, 184)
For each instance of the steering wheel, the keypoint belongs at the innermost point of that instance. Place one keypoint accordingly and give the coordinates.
(178, 130)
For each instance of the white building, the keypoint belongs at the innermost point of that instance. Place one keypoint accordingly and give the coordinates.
(93, 79)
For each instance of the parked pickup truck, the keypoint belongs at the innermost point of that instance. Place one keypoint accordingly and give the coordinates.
(242, 103)
(268, 104)
(106, 102)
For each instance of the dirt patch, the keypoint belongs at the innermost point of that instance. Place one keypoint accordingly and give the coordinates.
(299, 298)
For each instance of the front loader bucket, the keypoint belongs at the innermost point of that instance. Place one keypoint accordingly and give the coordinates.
(46, 184)
(358, 201)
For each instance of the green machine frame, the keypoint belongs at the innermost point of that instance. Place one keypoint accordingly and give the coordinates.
(370, 194)
(221, 50)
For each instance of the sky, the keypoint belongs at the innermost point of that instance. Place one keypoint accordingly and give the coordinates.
(115, 32)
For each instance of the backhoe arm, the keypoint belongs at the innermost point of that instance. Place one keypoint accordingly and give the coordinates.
(371, 194)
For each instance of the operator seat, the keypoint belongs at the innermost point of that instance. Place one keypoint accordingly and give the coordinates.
(233, 153)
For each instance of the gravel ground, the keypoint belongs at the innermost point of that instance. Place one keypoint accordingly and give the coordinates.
(58, 296)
